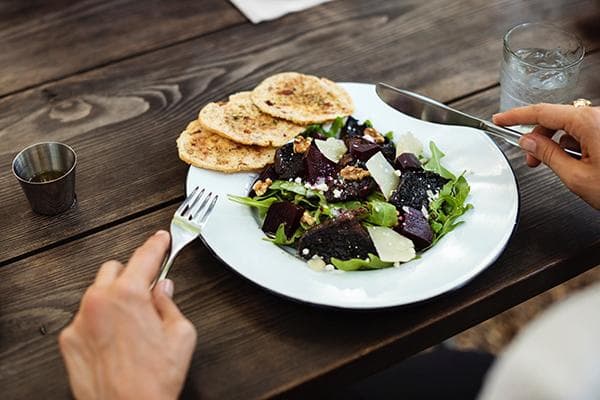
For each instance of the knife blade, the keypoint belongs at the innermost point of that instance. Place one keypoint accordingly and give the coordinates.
(426, 109)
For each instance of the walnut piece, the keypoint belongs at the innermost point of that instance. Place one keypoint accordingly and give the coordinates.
(308, 219)
(379, 139)
(260, 187)
(301, 144)
(351, 173)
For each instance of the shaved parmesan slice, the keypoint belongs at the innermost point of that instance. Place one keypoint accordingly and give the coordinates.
(408, 143)
(390, 245)
(332, 148)
(383, 173)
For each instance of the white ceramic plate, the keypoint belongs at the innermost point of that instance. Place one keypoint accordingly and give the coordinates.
(234, 236)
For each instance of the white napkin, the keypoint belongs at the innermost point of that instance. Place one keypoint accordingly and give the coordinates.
(265, 10)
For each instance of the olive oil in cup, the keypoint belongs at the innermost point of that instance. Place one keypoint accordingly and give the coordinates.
(46, 172)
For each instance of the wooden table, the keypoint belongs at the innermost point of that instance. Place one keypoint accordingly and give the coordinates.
(118, 80)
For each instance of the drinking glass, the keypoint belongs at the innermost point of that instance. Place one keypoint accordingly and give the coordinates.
(540, 64)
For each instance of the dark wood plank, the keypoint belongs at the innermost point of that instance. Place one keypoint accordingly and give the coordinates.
(46, 40)
(123, 119)
(253, 344)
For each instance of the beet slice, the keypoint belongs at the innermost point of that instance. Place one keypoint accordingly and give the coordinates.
(317, 165)
(361, 148)
(388, 149)
(352, 128)
(350, 190)
(283, 212)
(407, 162)
(413, 187)
(289, 164)
(414, 226)
(343, 238)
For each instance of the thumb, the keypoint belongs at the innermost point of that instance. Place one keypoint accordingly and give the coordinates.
(162, 296)
(551, 154)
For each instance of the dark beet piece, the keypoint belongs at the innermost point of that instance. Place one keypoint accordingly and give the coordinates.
(317, 165)
(413, 187)
(350, 190)
(343, 238)
(361, 148)
(388, 149)
(414, 226)
(352, 128)
(407, 161)
(267, 173)
(283, 212)
(288, 164)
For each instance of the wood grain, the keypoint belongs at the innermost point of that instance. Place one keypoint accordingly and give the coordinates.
(253, 344)
(123, 119)
(47, 40)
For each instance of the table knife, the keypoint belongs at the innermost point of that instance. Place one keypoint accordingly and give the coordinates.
(426, 109)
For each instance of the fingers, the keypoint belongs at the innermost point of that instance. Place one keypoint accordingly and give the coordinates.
(551, 116)
(162, 295)
(147, 259)
(108, 272)
(550, 153)
(538, 130)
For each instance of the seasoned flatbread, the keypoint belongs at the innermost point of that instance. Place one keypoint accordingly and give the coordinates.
(205, 149)
(303, 99)
(241, 121)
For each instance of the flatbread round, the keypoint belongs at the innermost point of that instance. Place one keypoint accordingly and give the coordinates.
(205, 149)
(303, 99)
(241, 121)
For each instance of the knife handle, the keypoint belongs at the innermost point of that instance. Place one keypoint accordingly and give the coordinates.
(512, 136)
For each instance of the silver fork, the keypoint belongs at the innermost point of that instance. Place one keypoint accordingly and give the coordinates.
(188, 221)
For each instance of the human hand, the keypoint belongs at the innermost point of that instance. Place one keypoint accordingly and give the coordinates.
(581, 123)
(127, 342)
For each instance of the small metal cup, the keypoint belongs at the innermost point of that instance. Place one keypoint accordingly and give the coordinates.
(46, 172)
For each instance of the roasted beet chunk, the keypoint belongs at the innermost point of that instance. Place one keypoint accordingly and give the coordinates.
(352, 128)
(340, 190)
(288, 164)
(413, 187)
(407, 161)
(361, 148)
(414, 226)
(388, 149)
(283, 212)
(343, 238)
(317, 165)
(267, 173)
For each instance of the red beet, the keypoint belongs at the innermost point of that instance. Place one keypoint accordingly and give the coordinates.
(360, 148)
(317, 165)
(283, 212)
(406, 162)
(414, 226)
(288, 164)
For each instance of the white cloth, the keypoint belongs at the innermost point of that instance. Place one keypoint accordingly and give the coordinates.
(556, 357)
(265, 10)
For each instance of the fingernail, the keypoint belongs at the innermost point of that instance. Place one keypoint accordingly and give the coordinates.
(167, 287)
(162, 233)
(527, 144)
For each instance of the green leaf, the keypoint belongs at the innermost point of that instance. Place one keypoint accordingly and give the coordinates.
(355, 264)
(315, 128)
(389, 136)
(336, 126)
(281, 239)
(263, 204)
(434, 164)
(368, 123)
(293, 187)
(382, 213)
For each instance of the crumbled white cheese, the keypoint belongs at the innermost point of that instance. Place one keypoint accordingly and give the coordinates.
(329, 267)
(431, 196)
(369, 138)
(424, 212)
(405, 209)
(298, 180)
(321, 186)
(305, 252)
(397, 172)
(337, 193)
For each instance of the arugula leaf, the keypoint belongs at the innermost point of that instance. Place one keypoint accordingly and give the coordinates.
(434, 164)
(389, 136)
(262, 204)
(355, 264)
(382, 213)
(336, 126)
(293, 187)
(448, 207)
(315, 128)
(368, 123)
(281, 239)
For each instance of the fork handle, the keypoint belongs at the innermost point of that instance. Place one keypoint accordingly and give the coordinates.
(166, 266)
